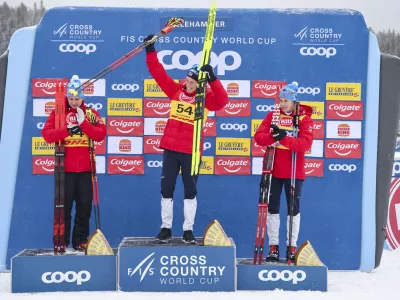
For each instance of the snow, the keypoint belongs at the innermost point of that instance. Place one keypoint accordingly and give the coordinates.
(377, 284)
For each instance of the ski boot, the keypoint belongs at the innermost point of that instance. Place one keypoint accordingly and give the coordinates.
(164, 237)
(188, 237)
(290, 253)
(273, 255)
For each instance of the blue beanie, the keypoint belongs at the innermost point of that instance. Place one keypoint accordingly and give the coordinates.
(194, 72)
(72, 88)
(289, 91)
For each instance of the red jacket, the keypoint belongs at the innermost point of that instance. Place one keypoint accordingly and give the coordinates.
(77, 155)
(178, 136)
(283, 152)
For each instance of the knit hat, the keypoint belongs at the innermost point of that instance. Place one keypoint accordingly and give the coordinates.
(194, 72)
(289, 91)
(72, 88)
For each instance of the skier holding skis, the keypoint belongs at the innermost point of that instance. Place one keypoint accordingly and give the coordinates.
(82, 124)
(177, 140)
(282, 168)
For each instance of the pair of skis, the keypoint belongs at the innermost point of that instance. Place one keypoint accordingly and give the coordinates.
(265, 185)
(201, 90)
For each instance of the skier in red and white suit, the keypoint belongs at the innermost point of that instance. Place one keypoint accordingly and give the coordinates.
(178, 138)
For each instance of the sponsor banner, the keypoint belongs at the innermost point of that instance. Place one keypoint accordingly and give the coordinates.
(237, 88)
(127, 88)
(314, 167)
(125, 165)
(261, 107)
(153, 162)
(154, 126)
(256, 165)
(152, 89)
(343, 129)
(233, 127)
(40, 147)
(318, 109)
(319, 129)
(254, 126)
(100, 147)
(230, 165)
(396, 169)
(317, 149)
(210, 127)
(345, 110)
(343, 149)
(42, 165)
(343, 91)
(266, 88)
(100, 164)
(257, 150)
(235, 108)
(43, 107)
(233, 146)
(124, 145)
(157, 107)
(209, 146)
(46, 87)
(152, 145)
(124, 107)
(125, 126)
(308, 91)
(207, 165)
(342, 167)
(98, 88)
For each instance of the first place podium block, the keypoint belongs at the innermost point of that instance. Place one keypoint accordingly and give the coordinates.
(39, 270)
(175, 267)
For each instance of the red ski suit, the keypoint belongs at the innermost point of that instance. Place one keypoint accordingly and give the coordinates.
(77, 156)
(283, 152)
(178, 136)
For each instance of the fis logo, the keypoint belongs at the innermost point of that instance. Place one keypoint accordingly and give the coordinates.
(143, 268)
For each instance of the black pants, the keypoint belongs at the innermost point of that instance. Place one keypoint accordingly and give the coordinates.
(172, 163)
(78, 187)
(275, 196)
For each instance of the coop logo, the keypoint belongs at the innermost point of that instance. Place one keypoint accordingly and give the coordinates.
(232, 166)
(125, 165)
(320, 51)
(396, 169)
(309, 90)
(235, 108)
(96, 106)
(70, 277)
(266, 89)
(40, 125)
(285, 275)
(206, 146)
(317, 35)
(345, 168)
(343, 149)
(78, 32)
(154, 164)
(125, 87)
(81, 48)
(156, 107)
(237, 127)
(264, 108)
(172, 60)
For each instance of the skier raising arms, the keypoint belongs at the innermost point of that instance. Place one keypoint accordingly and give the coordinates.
(281, 172)
(81, 124)
(177, 140)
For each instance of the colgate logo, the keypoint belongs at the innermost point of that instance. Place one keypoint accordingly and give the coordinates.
(154, 108)
(266, 89)
(345, 110)
(314, 167)
(122, 165)
(235, 108)
(343, 149)
(125, 126)
(232, 165)
(256, 149)
(43, 165)
(210, 127)
(46, 86)
(152, 145)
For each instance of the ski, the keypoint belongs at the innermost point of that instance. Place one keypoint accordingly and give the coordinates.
(169, 26)
(59, 174)
(201, 90)
(295, 127)
(266, 175)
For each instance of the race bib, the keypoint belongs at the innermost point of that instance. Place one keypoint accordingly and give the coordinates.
(184, 112)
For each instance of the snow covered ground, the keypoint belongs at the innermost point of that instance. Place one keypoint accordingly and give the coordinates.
(378, 284)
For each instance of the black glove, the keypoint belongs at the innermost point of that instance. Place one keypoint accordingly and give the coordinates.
(150, 47)
(75, 130)
(277, 133)
(208, 69)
